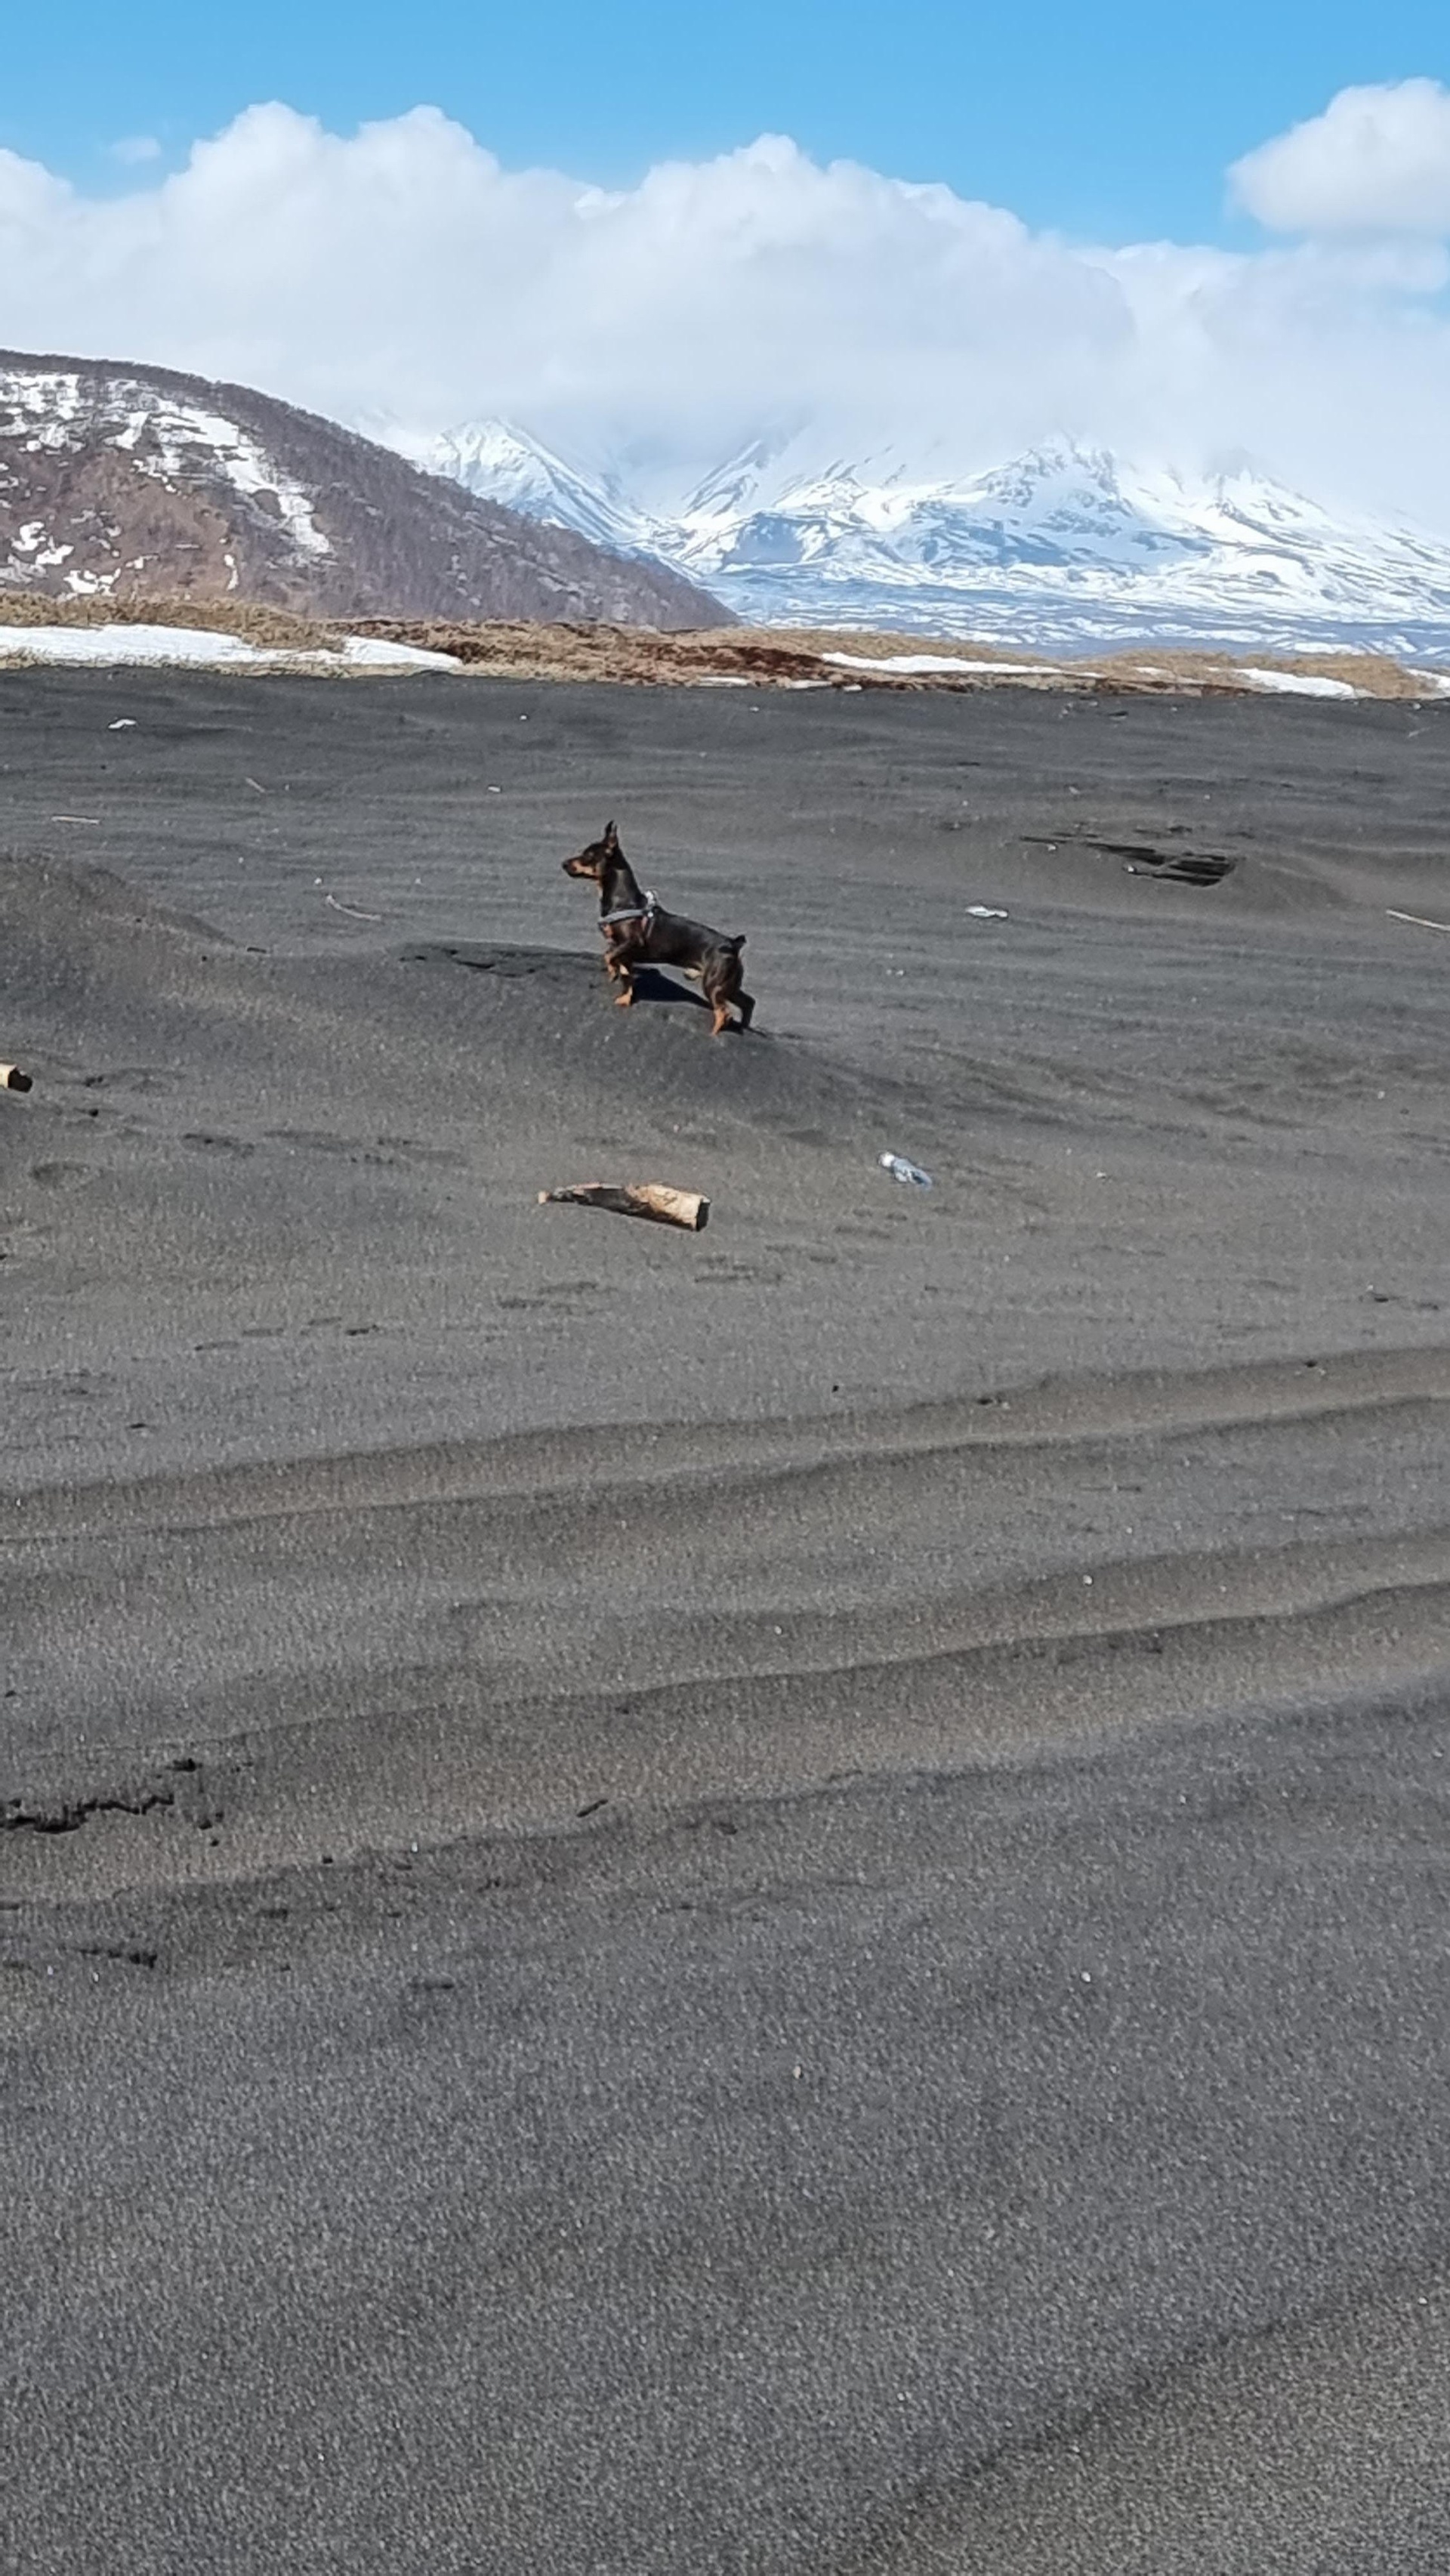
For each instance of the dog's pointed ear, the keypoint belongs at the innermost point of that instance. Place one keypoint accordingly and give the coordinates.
(611, 837)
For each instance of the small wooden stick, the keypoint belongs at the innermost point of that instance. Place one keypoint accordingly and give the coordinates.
(639, 1198)
(12, 1079)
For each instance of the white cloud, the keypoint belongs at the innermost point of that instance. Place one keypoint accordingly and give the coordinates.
(134, 149)
(402, 275)
(1376, 161)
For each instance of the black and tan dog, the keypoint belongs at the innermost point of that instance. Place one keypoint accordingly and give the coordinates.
(639, 932)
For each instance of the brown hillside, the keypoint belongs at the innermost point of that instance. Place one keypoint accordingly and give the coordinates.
(126, 481)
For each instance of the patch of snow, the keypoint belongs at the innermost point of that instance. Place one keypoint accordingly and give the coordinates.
(1296, 684)
(108, 645)
(181, 428)
(921, 664)
(374, 653)
(57, 410)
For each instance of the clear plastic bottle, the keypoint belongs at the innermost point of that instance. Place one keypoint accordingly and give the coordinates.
(900, 1170)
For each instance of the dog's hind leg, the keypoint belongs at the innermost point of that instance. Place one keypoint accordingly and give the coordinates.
(745, 1005)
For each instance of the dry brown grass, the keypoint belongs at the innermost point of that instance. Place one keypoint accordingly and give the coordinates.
(633, 654)
(278, 630)
(759, 656)
(886, 645)
(1374, 674)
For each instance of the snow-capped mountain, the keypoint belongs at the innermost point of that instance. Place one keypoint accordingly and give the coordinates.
(1064, 547)
(500, 464)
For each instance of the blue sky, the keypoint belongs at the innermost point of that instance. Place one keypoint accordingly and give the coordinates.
(1113, 121)
(361, 208)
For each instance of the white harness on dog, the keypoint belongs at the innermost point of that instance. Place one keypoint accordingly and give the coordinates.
(632, 912)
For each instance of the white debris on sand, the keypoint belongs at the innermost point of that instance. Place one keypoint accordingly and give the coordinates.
(200, 645)
(1294, 684)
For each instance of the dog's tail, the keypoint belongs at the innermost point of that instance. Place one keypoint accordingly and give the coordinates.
(736, 944)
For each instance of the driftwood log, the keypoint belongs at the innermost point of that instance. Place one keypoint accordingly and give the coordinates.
(12, 1079)
(639, 1198)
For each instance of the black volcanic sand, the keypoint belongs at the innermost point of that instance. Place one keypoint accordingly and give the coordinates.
(774, 1901)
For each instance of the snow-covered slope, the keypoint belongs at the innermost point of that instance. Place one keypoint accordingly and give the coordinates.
(501, 464)
(1064, 547)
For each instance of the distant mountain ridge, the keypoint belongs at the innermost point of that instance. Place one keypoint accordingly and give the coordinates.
(138, 481)
(1064, 547)
(500, 464)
